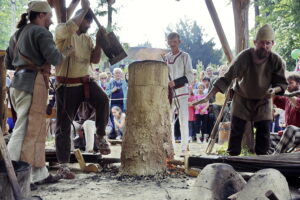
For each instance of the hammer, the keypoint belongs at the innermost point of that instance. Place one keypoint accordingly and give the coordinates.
(111, 47)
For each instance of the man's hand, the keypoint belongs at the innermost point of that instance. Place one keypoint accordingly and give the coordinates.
(85, 4)
(272, 91)
(171, 84)
(204, 100)
(68, 51)
(100, 37)
(114, 89)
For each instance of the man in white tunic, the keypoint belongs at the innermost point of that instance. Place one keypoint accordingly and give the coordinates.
(180, 75)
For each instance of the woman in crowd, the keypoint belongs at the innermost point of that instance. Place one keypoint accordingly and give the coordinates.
(119, 121)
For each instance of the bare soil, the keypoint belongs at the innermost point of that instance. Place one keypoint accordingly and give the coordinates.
(109, 184)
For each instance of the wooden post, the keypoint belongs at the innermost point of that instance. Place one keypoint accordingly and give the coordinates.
(60, 9)
(219, 29)
(2, 92)
(240, 11)
(147, 141)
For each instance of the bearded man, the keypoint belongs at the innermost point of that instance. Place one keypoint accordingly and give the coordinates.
(259, 75)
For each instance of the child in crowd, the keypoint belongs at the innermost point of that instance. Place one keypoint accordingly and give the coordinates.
(201, 112)
(192, 118)
(119, 121)
(206, 82)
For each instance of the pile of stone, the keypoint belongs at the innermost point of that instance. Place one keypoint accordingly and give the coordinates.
(220, 181)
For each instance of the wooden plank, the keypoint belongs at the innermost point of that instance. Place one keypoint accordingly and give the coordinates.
(288, 164)
(88, 157)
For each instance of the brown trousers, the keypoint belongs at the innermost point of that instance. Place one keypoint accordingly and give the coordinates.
(68, 101)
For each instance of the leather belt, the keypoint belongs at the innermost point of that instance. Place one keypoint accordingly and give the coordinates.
(44, 70)
(24, 71)
(85, 80)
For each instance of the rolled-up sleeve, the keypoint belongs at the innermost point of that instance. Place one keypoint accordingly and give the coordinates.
(65, 30)
(224, 82)
(9, 56)
(278, 76)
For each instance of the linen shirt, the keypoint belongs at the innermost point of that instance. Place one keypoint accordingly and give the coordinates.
(180, 65)
(36, 43)
(78, 64)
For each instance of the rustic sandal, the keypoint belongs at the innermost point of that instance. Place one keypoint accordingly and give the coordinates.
(104, 147)
(66, 173)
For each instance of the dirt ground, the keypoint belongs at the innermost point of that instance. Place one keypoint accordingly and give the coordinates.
(108, 184)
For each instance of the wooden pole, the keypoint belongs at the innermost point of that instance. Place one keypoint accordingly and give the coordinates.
(240, 11)
(229, 56)
(219, 29)
(60, 9)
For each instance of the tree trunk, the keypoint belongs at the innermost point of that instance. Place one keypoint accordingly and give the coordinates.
(147, 142)
(2, 92)
(60, 9)
(256, 12)
(240, 11)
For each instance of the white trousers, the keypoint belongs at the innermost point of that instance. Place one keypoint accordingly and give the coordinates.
(89, 132)
(183, 117)
(21, 102)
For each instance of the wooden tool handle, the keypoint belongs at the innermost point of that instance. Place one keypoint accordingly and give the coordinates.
(9, 168)
(95, 18)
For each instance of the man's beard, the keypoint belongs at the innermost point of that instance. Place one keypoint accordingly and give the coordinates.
(261, 53)
(294, 89)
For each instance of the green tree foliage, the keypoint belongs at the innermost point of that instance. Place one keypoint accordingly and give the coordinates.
(192, 42)
(284, 16)
(10, 12)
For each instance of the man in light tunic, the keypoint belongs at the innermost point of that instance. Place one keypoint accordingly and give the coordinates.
(180, 74)
(75, 84)
(259, 75)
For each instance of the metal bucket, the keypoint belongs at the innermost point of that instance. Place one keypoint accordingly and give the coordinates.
(22, 170)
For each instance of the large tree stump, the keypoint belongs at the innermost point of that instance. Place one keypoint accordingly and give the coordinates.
(147, 141)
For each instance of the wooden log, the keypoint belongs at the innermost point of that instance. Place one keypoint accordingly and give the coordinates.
(147, 141)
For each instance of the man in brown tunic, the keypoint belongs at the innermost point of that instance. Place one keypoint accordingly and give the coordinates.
(259, 75)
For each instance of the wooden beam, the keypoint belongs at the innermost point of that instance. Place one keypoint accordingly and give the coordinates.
(219, 29)
(60, 9)
(240, 12)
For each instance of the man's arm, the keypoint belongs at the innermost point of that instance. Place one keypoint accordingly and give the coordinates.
(48, 48)
(211, 93)
(96, 53)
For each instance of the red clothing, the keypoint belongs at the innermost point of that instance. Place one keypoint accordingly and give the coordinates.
(292, 113)
(191, 109)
